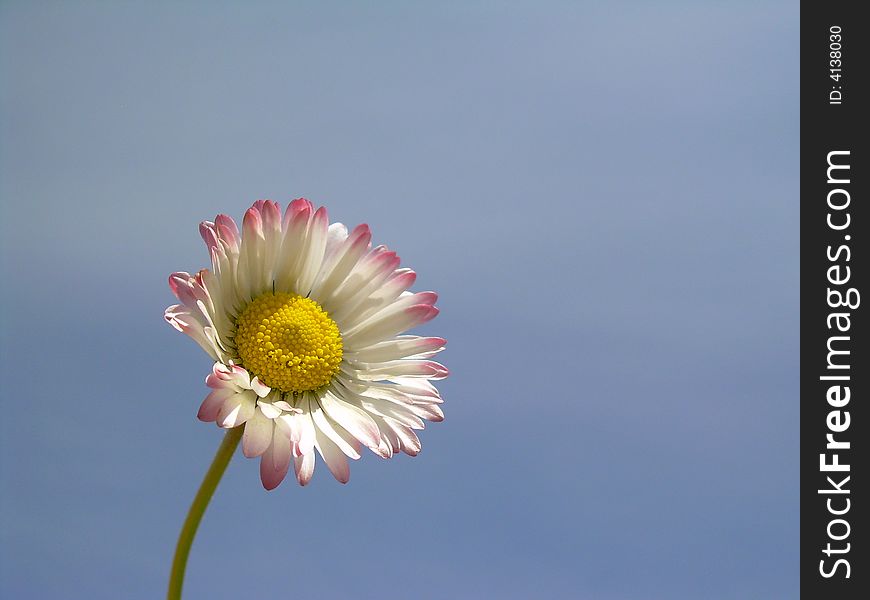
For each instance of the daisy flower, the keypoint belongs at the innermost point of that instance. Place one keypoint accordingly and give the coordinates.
(305, 322)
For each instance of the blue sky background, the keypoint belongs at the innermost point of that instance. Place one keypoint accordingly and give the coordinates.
(605, 194)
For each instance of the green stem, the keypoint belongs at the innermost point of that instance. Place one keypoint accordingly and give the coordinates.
(197, 509)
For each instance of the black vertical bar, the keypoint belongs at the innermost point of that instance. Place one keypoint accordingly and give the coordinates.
(835, 169)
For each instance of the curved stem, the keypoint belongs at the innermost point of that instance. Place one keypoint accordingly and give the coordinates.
(197, 509)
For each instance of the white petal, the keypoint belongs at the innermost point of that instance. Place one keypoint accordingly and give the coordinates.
(251, 272)
(275, 462)
(423, 408)
(269, 409)
(296, 220)
(401, 437)
(270, 213)
(391, 393)
(354, 420)
(193, 324)
(237, 409)
(410, 442)
(382, 407)
(281, 453)
(261, 389)
(353, 312)
(335, 235)
(232, 376)
(304, 467)
(332, 431)
(285, 406)
(428, 369)
(257, 436)
(313, 252)
(365, 279)
(341, 262)
(420, 387)
(403, 346)
(334, 458)
(299, 430)
(211, 406)
(386, 324)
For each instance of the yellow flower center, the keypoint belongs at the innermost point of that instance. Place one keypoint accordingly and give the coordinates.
(289, 342)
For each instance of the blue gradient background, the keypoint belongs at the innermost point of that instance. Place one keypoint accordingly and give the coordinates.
(605, 196)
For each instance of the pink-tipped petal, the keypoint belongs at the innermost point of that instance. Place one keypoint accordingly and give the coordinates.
(406, 346)
(405, 368)
(304, 467)
(252, 223)
(228, 376)
(228, 230)
(299, 430)
(335, 459)
(269, 476)
(272, 215)
(211, 406)
(209, 234)
(312, 258)
(293, 248)
(297, 207)
(388, 323)
(275, 462)
(340, 263)
(410, 442)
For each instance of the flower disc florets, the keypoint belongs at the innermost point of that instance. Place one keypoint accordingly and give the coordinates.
(289, 342)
